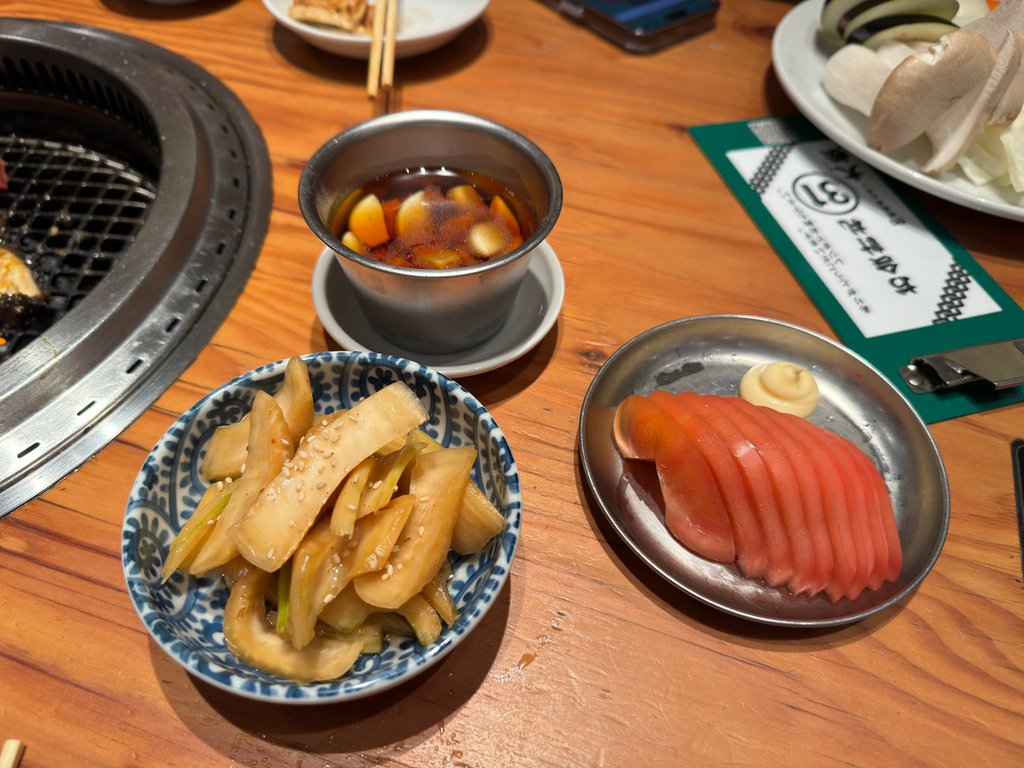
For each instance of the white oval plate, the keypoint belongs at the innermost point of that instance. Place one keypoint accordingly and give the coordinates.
(799, 55)
(423, 25)
(534, 313)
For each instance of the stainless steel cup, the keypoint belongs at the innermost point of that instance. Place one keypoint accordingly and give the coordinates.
(431, 310)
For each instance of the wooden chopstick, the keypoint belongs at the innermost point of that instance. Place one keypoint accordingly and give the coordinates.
(381, 73)
(11, 754)
(376, 45)
(387, 76)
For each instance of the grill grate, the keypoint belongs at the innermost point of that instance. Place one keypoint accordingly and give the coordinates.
(70, 214)
(139, 194)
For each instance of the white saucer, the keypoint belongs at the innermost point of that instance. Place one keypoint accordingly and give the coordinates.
(423, 25)
(534, 312)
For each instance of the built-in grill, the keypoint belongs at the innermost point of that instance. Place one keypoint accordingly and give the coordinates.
(139, 191)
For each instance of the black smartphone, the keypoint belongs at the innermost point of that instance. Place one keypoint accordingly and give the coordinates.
(641, 26)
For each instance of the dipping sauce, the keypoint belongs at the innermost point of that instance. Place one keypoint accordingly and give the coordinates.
(781, 385)
(432, 219)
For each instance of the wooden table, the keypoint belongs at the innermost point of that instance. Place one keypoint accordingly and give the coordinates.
(588, 658)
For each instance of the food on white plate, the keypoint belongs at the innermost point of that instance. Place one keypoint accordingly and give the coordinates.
(877, 20)
(964, 93)
(354, 16)
(911, 28)
(363, 508)
(788, 501)
(782, 385)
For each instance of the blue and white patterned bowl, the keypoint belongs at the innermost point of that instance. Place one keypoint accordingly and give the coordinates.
(185, 615)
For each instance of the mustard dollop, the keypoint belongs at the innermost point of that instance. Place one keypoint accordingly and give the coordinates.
(781, 385)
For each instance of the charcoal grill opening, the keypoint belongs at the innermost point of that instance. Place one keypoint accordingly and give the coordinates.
(139, 192)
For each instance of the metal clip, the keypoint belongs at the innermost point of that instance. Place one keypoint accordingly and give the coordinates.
(1000, 363)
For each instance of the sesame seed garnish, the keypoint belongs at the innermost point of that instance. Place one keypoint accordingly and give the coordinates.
(324, 423)
(376, 484)
(335, 559)
(385, 576)
(270, 554)
(286, 471)
(242, 468)
(328, 598)
(220, 485)
(320, 485)
(228, 480)
(351, 506)
(421, 530)
(285, 441)
(399, 566)
(291, 523)
(302, 496)
(303, 454)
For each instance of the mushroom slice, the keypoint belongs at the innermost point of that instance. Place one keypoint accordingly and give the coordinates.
(926, 85)
(854, 75)
(957, 128)
(1011, 102)
(993, 26)
(252, 639)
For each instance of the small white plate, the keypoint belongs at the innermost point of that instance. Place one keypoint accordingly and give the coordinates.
(423, 25)
(534, 312)
(799, 55)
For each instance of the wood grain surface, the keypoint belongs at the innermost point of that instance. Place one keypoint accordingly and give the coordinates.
(588, 658)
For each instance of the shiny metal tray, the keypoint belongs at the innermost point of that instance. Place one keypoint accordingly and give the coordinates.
(709, 355)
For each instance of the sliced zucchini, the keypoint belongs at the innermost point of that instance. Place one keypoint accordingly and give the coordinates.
(839, 17)
(870, 10)
(831, 13)
(905, 28)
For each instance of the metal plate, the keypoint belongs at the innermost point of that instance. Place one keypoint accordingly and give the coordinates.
(709, 355)
(68, 392)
